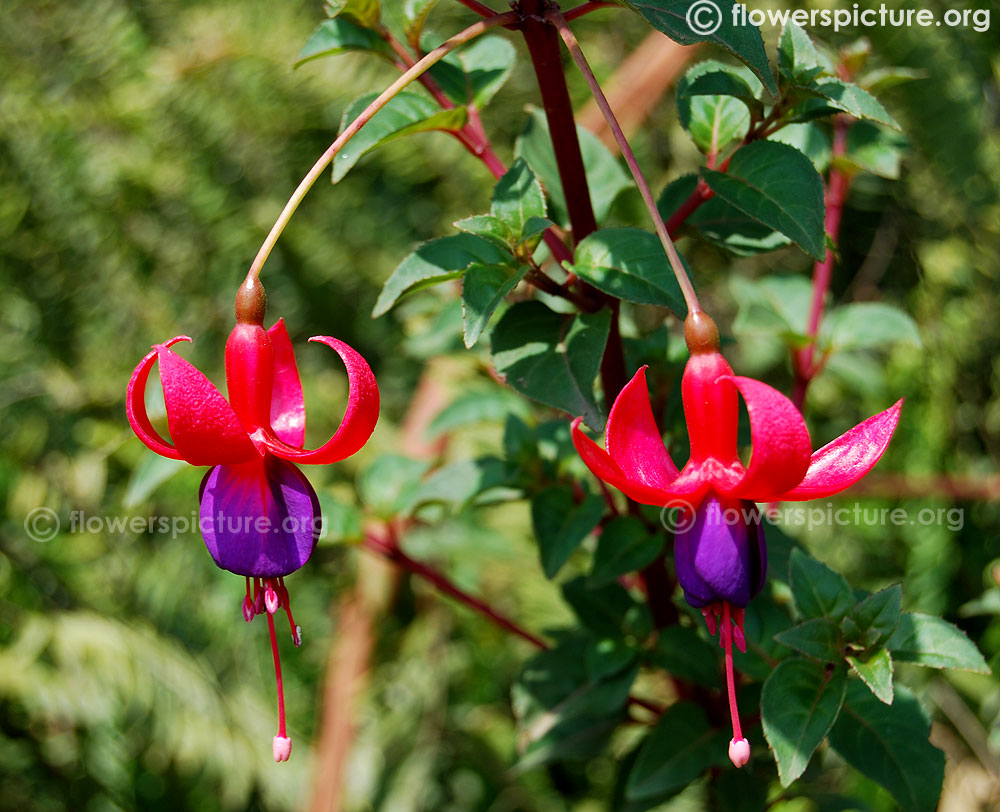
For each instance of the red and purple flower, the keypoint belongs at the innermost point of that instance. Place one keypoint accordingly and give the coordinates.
(720, 554)
(260, 517)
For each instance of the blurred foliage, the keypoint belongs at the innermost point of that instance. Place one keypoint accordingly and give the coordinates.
(145, 149)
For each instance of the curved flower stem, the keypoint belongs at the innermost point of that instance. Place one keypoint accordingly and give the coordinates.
(690, 297)
(586, 8)
(352, 129)
(479, 8)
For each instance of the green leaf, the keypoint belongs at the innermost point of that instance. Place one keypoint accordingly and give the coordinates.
(474, 74)
(483, 288)
(820, 638)
(457, 483)
(817, 589)
(718, 222)
(852, 99)
(867, 325)
(629, 264)
(488, 227)
(406, 114)
(775, 305)
(415, 13)
(935, 643)
(552, 358)
(873, 149)
(798, 706)
(681, 651)
(609, 657)
(811, 140)
(778, 186)
(436, 261)
(871, 622)
(342, 522)
(390, 483)
(712, 120)
(680, 748)
(338, 36)
(533, 229)
(742, 41)
(721, 80)
(607, 611)
(476, 406)
(624, 546)
(366, 13)
(562, 710)
(875, 671)
(151, 472)
(888, 743)
(517, 198)
(560, 524)
(798, 59)
(605, 176)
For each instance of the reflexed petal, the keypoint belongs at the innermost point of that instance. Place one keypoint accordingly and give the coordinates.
(841, 463)
(135, 406)
(260, 518)
(719, 548)
(359, 419)
(603, 467)
(780, 441)
(203, 426)
(288, 410)
(633, 440)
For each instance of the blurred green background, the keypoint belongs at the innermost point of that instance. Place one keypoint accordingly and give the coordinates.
(145, 149)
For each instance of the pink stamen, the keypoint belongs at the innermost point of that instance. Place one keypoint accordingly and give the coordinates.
(709, 613)
(270, 598)
(287, 603)
(258, 596)
(739, 747)
(248, 609)
(284, 750)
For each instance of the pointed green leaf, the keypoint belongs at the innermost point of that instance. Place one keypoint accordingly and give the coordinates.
(873, 149)
(624, 546)
(457, 483)
(682, 652)
(741, 40)
(935, 643)
(722, 80)
(487, 226)
(474, 406)
(712, 120)
(875, 671)
(798, 706)
(517, 198)
(339, 35)
(852, 99)
(629, 264)
(867, 325)
(474, 74)
(871, 622)
(778, 186)
(608, 657)
(389, 484)
(552, 358)
(436, 261)
(533, 228)
(817, 589)
(798, 59)
(483, 288)
(560, 524)
(366, 13)
(680, 748)
(605, 176)
(888, 743)
(406, 114)
(820, 638)
(415, 13)
(607, 611)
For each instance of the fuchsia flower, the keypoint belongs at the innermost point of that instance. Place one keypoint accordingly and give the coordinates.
(720, 555)
(260, 517)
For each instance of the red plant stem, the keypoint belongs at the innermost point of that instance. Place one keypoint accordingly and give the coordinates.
(690, 298)
(543, 46)
(586, 8)
(479, 8)
(836, 193)
(277, 675)
(391, 550)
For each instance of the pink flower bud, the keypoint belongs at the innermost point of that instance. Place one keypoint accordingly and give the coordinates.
(283, 748)
(248, 609)
(739, 751)
(271, 599)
